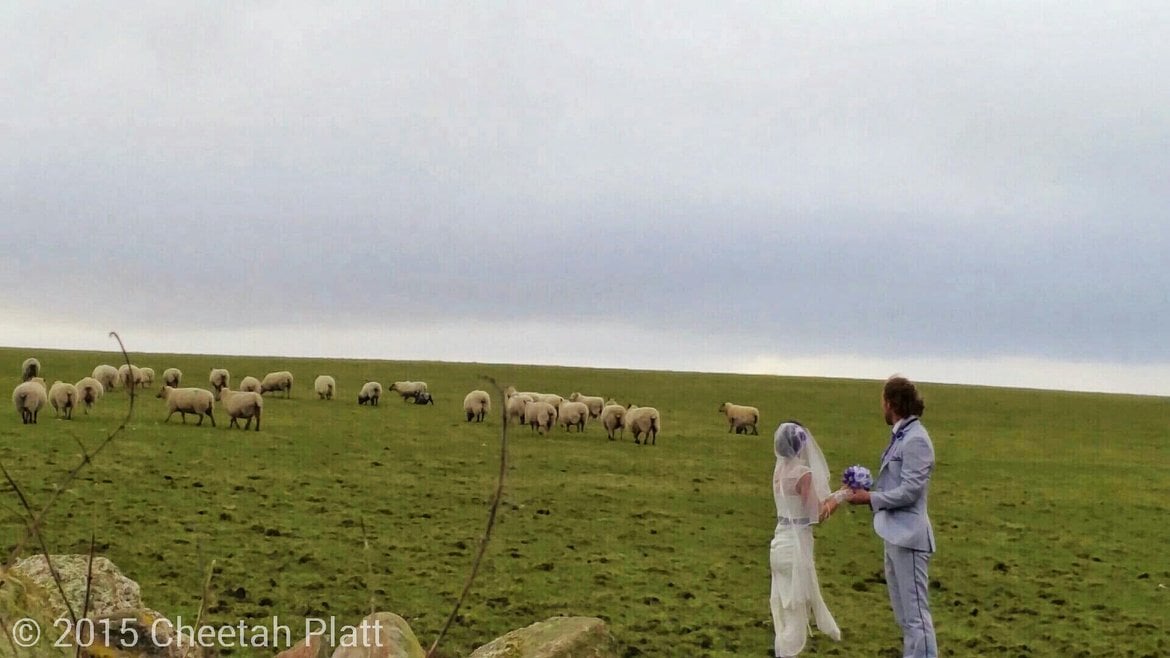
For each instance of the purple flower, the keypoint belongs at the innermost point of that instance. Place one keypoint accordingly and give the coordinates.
(857, 477)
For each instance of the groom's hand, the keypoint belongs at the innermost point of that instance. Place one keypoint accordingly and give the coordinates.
(858, 497)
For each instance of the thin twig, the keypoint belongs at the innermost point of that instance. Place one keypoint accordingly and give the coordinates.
(491, 521)
(202, 607)
(88, 586)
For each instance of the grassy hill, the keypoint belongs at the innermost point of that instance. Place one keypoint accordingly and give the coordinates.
(1048, 507)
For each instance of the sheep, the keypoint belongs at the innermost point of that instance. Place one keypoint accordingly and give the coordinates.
(127, 375)
(740, 417)
(89, 390)
(595, 403)
(424, 397)
(540, 416)
(515, 407)
(29, 369)
(277, 381)
(219, 378)
(324, 385)
(477, 405)
(573, 413)
(612, 419)
(107, 376)
(250, 384)
(551, 398)
(241, 404)
(172, 377)
(643, 420)
(29, 397)
(199, 401)
(371, 392)
(63, 397)
(408, 390)
(147, 377)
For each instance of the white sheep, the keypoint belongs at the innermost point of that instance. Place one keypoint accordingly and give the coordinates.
(573, 414)
(147, 377)
(551, 398)
(172, 377)
(29, 397)
(643, 421)
(63, 398)
(281, 380)
(29, 369)
(540, 416)
(325, 386)
(740, 417)
(89, 390)
(371, 392)
(515, 407)
(409, 390)
(612, 419)
(198, 401)
(107, 375)
(250, 384)
(477, 404)
(594, 402)
(219, 378)
(241, 404)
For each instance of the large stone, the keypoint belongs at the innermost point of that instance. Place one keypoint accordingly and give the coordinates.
(109, 589)
(557, 637)
(310, 647)
(381, 635)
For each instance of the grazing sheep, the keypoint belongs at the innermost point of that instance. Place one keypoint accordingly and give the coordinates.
(371, 392)
(515, 407)
(241, 404)
(250, 384)
(147, 377)
(29, 369)
(107, 376)
(199, 401)
(172, 377)
(612, 419)
(643, 421)
(594, 402)
(741, 417)
(540, 416)
(573, 413)
(551, 398)
(277, 381)
(324, 385)
(63, 397)
(476, 405)
(29, 397)
(408, 390)
(424, 397)
(219, 378)
(89, 390)
(128, 375)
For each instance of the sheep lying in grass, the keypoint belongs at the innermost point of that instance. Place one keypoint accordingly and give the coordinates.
(29, 369)
(540, 416)
(594, 402)
(371, 392)
(29, 397)
(89, 390)
(219, 378)
(408, 390)
(241, 404)
(573, 414)
(325, 386)
(741, 418)
(277, 381)
(63, 398)
(612, 419)
(476, 405)
(424, 397)
(643, 421)
(107, 376)
(250, 384)
(198, 401)
(172, 377)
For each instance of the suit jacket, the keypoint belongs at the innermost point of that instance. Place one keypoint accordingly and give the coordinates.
(899, 496)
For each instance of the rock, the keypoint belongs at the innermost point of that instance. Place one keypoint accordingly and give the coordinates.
(381, 635)
(109, 591)
(557, 637)
(137, 634)
(310, 647)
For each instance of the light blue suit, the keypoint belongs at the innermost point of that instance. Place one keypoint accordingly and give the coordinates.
(899, 504)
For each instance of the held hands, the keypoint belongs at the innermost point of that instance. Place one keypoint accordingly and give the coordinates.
(855, 496)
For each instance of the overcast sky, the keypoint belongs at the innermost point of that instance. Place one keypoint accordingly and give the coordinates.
(970, 192)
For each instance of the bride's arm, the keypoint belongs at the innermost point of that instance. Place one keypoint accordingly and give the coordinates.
(805, 489)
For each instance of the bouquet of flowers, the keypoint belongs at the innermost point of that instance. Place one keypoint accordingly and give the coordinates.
(857, 477)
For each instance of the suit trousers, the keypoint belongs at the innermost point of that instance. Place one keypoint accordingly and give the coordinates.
(907, 581)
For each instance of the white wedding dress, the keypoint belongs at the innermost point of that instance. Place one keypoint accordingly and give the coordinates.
(796, 594)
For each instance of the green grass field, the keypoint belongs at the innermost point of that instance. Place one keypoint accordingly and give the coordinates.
(1049, 508)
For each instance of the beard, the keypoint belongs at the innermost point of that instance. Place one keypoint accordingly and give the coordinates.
(889, 414)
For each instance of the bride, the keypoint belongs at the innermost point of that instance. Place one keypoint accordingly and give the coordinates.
(800, 484)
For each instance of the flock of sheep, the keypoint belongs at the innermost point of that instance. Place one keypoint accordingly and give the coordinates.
(540, 411)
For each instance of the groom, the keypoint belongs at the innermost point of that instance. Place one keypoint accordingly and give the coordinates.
(899, 505)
